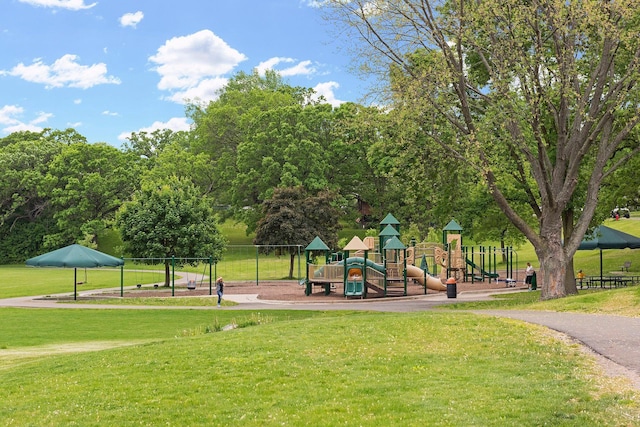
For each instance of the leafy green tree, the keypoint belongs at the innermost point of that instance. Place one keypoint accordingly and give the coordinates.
(289, 147)
(527, 94)
(87, 184)
(293, 217)
(167, 220)
(150, 145)
(26, 214)
(222, 125)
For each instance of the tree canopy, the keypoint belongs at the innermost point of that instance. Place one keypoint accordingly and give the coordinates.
(293, 217)
(167, 220)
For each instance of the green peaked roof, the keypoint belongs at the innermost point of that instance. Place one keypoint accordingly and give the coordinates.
(317, 245)
(389, 231)
(453, 226)
(389, 219)
(75, 256)
(394, 243)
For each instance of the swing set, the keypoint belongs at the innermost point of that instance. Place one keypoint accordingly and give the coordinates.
(191, 283)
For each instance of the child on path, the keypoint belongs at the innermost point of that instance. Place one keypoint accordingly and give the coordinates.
(219, 289)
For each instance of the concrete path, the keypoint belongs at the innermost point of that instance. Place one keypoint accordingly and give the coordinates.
(616, 338)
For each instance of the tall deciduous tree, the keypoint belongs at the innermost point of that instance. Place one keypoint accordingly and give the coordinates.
(170, 220)
(293, 217)
(222, 125)
(87, 184)
(25, 208)
(532, 93)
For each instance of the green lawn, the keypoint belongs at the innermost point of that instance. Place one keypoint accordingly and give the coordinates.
(311, 369)
(621, 301)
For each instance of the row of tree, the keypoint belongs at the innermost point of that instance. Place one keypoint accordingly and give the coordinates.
(262, 148)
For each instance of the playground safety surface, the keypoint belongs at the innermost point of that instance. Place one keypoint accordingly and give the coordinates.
(292, 291)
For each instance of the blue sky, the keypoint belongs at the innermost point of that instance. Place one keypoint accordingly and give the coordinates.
(111, 67)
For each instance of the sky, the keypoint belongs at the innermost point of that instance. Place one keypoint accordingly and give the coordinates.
(111, 67)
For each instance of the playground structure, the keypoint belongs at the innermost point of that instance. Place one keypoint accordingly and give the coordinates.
(389, 271)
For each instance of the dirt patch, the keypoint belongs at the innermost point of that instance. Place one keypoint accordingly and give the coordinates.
(11, 356)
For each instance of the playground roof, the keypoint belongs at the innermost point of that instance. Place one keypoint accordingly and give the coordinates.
(389, 231)
(394, 244)
(452, 226)
(356, 244)
(389, 219)
(317, 245)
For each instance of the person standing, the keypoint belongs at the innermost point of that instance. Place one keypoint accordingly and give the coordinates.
(581, 276)
(219, 289)
(529, 272)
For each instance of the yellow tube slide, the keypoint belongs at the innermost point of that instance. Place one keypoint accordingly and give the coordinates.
(417, 274)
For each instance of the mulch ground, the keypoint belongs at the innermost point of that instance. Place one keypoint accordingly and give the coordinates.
(291, 291)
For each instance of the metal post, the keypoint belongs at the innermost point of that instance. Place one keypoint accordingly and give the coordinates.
(122, 278)
(299, 266)
(173, 275)
(210, 276)
(257, 252)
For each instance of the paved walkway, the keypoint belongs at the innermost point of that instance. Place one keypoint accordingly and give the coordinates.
(615, 339)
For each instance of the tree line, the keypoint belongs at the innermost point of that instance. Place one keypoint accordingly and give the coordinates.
(262, 148)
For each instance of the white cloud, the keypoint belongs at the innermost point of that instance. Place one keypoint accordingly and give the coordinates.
(315, 3)
(65, 71)
(189, 62)
(326, 89)
(8, 113)
(77, 101)
(21, 128)
(74, 125)
(41, 118)
(176, 124)
(10, 116)
(270, 63)
(301, 68)
(109, 113)
(207, 90)
(62, 4)
(131, 19)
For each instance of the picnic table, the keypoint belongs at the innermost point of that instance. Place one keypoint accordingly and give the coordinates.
(614, 281)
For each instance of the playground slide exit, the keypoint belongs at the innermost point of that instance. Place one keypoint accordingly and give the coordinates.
(418, 275)
(413, 272)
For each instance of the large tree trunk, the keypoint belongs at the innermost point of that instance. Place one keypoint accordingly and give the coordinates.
(570, 278)
(552, 257)
(553, 269)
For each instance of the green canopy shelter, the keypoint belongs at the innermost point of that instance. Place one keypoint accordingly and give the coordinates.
(604, 237)
(75, 256)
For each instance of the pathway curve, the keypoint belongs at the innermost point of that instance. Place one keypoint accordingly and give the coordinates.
(616, 338)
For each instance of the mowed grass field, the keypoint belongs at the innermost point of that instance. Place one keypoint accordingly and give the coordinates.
(125, 367)
(170, 367)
